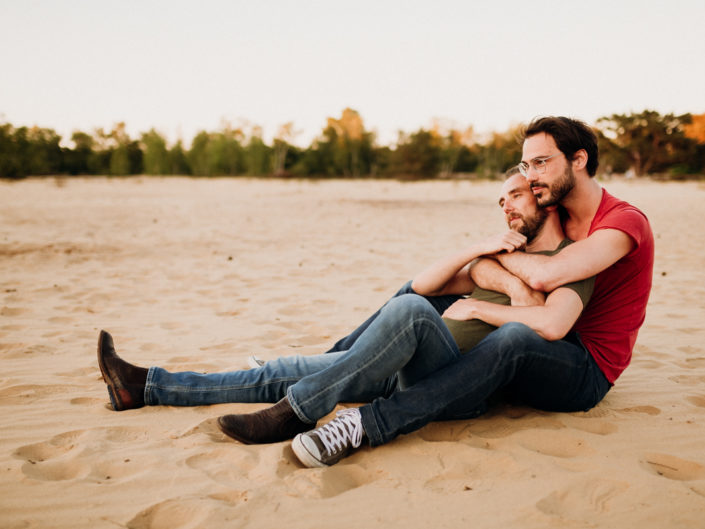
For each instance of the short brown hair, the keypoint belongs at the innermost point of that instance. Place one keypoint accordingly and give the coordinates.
(570, 135)
(511, 172)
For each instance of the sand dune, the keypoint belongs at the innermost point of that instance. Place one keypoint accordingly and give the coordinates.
(197, 274)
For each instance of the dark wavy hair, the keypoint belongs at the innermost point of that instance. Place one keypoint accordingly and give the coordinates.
(570, 136)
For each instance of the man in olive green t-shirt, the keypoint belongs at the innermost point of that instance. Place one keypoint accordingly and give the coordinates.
(468, 333)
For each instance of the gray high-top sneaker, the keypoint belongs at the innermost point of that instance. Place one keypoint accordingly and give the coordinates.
(331, 442)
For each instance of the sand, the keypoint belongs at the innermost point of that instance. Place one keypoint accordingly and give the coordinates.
(197, 274)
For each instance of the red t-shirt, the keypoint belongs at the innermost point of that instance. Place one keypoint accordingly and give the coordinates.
(609, 324)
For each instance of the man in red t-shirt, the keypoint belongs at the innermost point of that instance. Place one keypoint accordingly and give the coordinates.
(613, 242)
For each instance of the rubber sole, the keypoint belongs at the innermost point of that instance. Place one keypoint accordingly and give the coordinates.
(304, 455)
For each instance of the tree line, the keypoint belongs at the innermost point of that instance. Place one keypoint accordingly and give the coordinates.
(645, 143)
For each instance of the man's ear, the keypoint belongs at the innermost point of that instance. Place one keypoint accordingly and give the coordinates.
(580, 159)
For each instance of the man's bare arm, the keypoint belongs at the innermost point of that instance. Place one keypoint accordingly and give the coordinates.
(450, 275)
(490, 275)
(580, 260)
(551, 321)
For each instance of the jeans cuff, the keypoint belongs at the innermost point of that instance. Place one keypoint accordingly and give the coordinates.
(369, 424)
(148, 386)
(297, 409)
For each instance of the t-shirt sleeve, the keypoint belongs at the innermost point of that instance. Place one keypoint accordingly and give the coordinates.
(628, 220)
(582, 288)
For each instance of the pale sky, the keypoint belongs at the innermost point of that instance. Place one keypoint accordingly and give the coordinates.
(185, 66)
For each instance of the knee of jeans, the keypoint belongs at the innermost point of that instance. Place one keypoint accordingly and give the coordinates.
(405, 289)
(513, 333)
(409, 305)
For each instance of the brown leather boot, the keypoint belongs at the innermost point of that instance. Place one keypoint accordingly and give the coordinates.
(125, 382)
(271, 425)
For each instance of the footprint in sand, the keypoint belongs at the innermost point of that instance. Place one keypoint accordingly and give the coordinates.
(688, 380)
(13, 311)
(52, 460)
(509, 420)
(697, 400)
(688, 330)
(28, 393)
(80, 455)
(440, 432)
(228, 465)
(648, 410)
(290, 310)
(79, 373)
(595, 426)
(650, 364)
(62, 320)
(553, 443)
(582, 500)
(87, 401)
(209, 427)
(184, 512)
(225, 346)
(21, 350)
(328, 482)
(673, 467)
(243, 466)
(693, 363)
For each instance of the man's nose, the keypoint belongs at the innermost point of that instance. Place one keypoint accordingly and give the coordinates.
(531, 175)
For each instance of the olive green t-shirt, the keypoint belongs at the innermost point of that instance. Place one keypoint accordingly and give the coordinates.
(468, 333)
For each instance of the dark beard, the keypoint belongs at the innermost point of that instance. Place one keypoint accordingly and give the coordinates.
(532, 225)
(559, 190)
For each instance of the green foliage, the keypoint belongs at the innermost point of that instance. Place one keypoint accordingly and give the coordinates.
(217, 154)
(155, 154)
(344, 149)
(29, 151)
(672, 146)
(83, 158)
(198, 156)
(648, 142)
(10, 155)
(417, 155)
(177, 160)
(119, 161)
(258, 157)
(502, 151)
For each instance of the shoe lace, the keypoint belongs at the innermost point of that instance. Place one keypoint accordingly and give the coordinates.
(345, 429)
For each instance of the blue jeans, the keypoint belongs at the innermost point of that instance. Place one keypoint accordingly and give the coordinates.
(407, 337)
(552, 376)
(361, 368)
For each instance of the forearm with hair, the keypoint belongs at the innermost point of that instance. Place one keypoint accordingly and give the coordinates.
(530, 268)
(491, 275)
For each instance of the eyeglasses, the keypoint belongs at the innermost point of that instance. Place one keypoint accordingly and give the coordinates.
(537, 164)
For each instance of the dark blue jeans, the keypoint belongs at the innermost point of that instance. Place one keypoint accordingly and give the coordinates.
(407, 339)
(440, 303)
(398, 345)
(552, 376)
